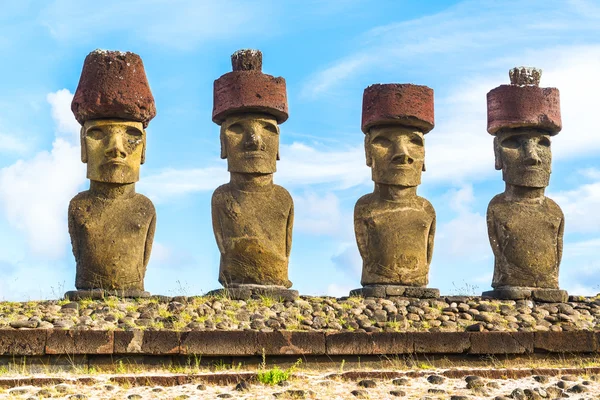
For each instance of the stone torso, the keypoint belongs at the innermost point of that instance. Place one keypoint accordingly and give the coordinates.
(253, 231)
(112, 240)
(526, 237)
(394, 240)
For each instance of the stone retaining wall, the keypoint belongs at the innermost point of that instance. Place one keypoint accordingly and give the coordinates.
(39, 342)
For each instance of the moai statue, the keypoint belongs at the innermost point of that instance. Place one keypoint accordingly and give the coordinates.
(394, 226)
(112, 226)
(252, 217)
(524, 226)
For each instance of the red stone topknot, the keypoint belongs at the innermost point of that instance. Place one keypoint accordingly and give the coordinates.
(113, 84)
(523, 104)
(247, 89)
(398, 104)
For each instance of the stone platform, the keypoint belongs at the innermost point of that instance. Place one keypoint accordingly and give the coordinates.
(383, 291)
(524, 293)
(99, 294)
(245, 292)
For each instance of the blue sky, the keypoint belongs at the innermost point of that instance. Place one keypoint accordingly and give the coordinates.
(328, 51)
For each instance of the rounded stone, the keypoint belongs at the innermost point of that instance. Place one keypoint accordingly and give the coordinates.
(512, 106)
(398, 104)
(113, 84)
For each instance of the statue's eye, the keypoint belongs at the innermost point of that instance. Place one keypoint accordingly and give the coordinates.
(270, 127)
(96, 134)
(544, 141)
(511, 143)
(416, 140)
(134, 132)
(381, 141)
(236, 128)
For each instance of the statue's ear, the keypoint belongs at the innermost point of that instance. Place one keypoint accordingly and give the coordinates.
(84, 157)
(497, 156)
(143, 146)
(368, 150)
(223, 144)
(278, 132)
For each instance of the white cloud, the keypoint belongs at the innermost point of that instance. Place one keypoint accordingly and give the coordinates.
(336, 290)
(580, 207)
(465, 236)
(315, 214)
(172, 183)
(35, 193)
(180, 24)
(12, 144)
(348, 260)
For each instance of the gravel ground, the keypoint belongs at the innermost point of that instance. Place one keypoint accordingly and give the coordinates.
(319, 386)
(457, 313)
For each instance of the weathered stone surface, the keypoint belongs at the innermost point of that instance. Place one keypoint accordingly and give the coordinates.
(113, 84)
(369, 343)
(111, 226)
(247, 89)
(245, 292)
(22, 342)
(252, 217)
(160, 342)
(215, 343)
(441, 342)
(525, 227)
(508, 293)
(398, 104)
(550, 295)
(383, 291)
(522, 105)
(79, 342)
(127, 342)
(395, 227)
(290, 342)
(566, 342)
(99, 294)
(501, 342)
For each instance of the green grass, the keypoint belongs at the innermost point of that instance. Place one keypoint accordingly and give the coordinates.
(275, 375)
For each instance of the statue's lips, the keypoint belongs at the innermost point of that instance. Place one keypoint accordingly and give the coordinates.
(114, 161)
(401, 166)
(255, 154)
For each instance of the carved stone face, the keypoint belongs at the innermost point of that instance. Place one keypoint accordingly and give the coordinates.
(113, 150)
(250, 143)
(396, 155)
(524, 156)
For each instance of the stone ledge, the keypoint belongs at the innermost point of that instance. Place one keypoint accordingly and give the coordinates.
(40, 342)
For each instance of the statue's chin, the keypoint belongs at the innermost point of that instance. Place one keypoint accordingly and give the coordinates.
(533, 179)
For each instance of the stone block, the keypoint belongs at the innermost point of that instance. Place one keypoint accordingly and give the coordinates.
(94, 342)
(550, 295)
(220, 343)
(565, 342)
(59, 341)
(128, 342)
(501, 342)
(22, 342)
(358, 343)
(291, 343)
(508, 293)
(160, 342)
(441, 342)
(421, 292)
(370, 291)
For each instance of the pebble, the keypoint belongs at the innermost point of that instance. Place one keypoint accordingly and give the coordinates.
(307, 313)
(435, 379)
(360, 393)
(398, 393)
(367, 383)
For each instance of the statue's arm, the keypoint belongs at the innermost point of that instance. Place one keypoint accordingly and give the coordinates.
(149, 240)
(493, 233)
(559, 241)
(73, 231)
(430, 239)
(361, 232)
(216, 222)
(288, 237)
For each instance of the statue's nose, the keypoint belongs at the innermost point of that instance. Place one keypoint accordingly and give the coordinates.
(531, 155)
(401, 155)
(115, 148)
(253, 140)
